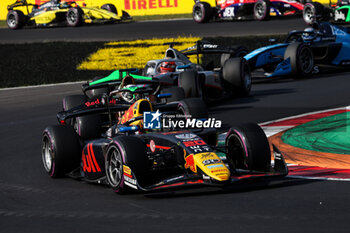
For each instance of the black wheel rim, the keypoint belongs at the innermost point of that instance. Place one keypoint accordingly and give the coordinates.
(306, 60)
(115, 168)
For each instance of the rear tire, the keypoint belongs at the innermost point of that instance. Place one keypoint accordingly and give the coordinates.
(262, 10)
(237, 76)
(110, 8)
(15, 19)
(240, 51)
(201, 12)
(98, 92)
(248, 148)
(301, 60)
(87, 127)
(60, 150)
(189, 81)
(74, 17)
(194, 107)
(129, 151)
(70, 102)
(177, 93)
(312, 12)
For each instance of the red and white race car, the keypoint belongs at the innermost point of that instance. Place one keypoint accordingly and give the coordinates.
(244, 9)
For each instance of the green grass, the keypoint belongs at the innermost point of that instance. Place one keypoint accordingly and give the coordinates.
(3, 23)
(56, 62)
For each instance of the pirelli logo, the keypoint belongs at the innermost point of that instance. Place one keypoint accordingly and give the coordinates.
(149, 4)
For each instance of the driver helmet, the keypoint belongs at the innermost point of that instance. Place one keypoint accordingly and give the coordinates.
(64, 4)
(127, 81)
(167, 66)
(309, 34)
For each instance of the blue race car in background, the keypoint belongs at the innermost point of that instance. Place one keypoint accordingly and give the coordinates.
(302, 52)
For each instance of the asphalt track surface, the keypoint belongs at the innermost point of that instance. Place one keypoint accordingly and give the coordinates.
(137, 30)
(30, 201)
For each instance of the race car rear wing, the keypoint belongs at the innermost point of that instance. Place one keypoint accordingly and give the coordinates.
(205, 47)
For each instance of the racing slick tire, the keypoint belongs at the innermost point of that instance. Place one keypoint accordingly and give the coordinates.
(98, 92)
(304, 1)
(202, 12)
(110, 8)
(87, 127)
(127, 151)
(262, 10)
(240, 51)
(15, 19)
(312, 12)
(237, 76)
(301, 60)
(189, 81)
(74, 17)
(72, 101)
(177, 93)
(60, 150)
(194, 107)
(247, 148)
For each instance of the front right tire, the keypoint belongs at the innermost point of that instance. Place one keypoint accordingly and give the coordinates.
(247, 148)
(126, 151)
(301, 60)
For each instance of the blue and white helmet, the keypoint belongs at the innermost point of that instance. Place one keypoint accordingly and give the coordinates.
(309, 34)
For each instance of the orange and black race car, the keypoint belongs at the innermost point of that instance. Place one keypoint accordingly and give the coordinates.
(57, 12)
(140, 152)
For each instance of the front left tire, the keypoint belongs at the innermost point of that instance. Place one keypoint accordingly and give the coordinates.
(131, 152)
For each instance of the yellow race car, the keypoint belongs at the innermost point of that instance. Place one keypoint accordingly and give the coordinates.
(55, 12)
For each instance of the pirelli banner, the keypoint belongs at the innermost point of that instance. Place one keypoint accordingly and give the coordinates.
(133, 7)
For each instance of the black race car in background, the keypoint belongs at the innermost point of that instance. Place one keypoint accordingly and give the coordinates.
(244, 9)
(129, 156)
